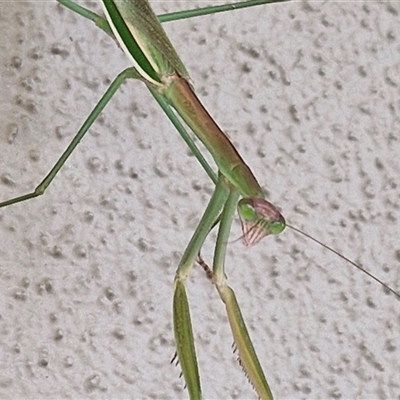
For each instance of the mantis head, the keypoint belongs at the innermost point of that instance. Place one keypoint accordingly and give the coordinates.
(259, 218)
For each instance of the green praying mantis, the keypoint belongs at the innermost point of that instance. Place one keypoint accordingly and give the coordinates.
(223, 242)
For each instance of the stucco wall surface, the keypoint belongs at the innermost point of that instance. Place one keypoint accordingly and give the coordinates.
(309, 94)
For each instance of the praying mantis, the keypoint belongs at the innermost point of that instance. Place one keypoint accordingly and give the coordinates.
(278, 252)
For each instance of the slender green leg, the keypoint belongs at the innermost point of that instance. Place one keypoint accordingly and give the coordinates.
(183, 132)
(181, 315)
(41, 188)
(214, 9)
(206, 223)
(247, 355)
(101, 22)
(223, 236)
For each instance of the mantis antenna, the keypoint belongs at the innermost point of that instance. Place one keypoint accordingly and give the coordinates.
(346, 259)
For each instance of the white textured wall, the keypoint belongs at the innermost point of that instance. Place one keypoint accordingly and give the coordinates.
(309, 93)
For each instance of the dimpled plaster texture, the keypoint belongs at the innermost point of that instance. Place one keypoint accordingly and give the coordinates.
(309, 93)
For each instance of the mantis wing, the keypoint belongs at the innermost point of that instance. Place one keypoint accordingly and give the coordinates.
(143, 39)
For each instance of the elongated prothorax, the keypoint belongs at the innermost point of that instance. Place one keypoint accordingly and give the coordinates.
(182, 97)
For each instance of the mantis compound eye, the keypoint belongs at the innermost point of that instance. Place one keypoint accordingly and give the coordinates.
(259, 218)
